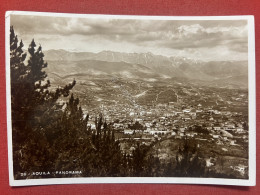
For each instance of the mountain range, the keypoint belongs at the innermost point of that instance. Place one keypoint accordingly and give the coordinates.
(147, 66)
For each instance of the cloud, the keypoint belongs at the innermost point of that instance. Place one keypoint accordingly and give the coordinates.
(153, 35)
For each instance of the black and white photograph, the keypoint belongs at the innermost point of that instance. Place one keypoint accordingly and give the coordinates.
(130, 99)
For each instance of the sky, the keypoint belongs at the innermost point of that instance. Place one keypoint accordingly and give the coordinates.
(219, 40)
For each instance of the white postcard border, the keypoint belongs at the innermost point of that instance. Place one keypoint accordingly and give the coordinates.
(174, 180)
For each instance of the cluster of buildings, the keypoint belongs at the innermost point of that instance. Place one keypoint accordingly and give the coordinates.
(219, 117)
(173, 119)
(185, 117)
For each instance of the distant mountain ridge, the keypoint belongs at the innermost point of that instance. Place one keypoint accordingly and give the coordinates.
(145, 65)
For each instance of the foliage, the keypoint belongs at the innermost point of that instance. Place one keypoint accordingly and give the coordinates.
(33, 105)
(189, 163)
(200, 129)
(136, 125)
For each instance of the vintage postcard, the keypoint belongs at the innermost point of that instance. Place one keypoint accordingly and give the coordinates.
(130, 99)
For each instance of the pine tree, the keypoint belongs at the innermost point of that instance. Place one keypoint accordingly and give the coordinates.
(33, 105)
(18, 78)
